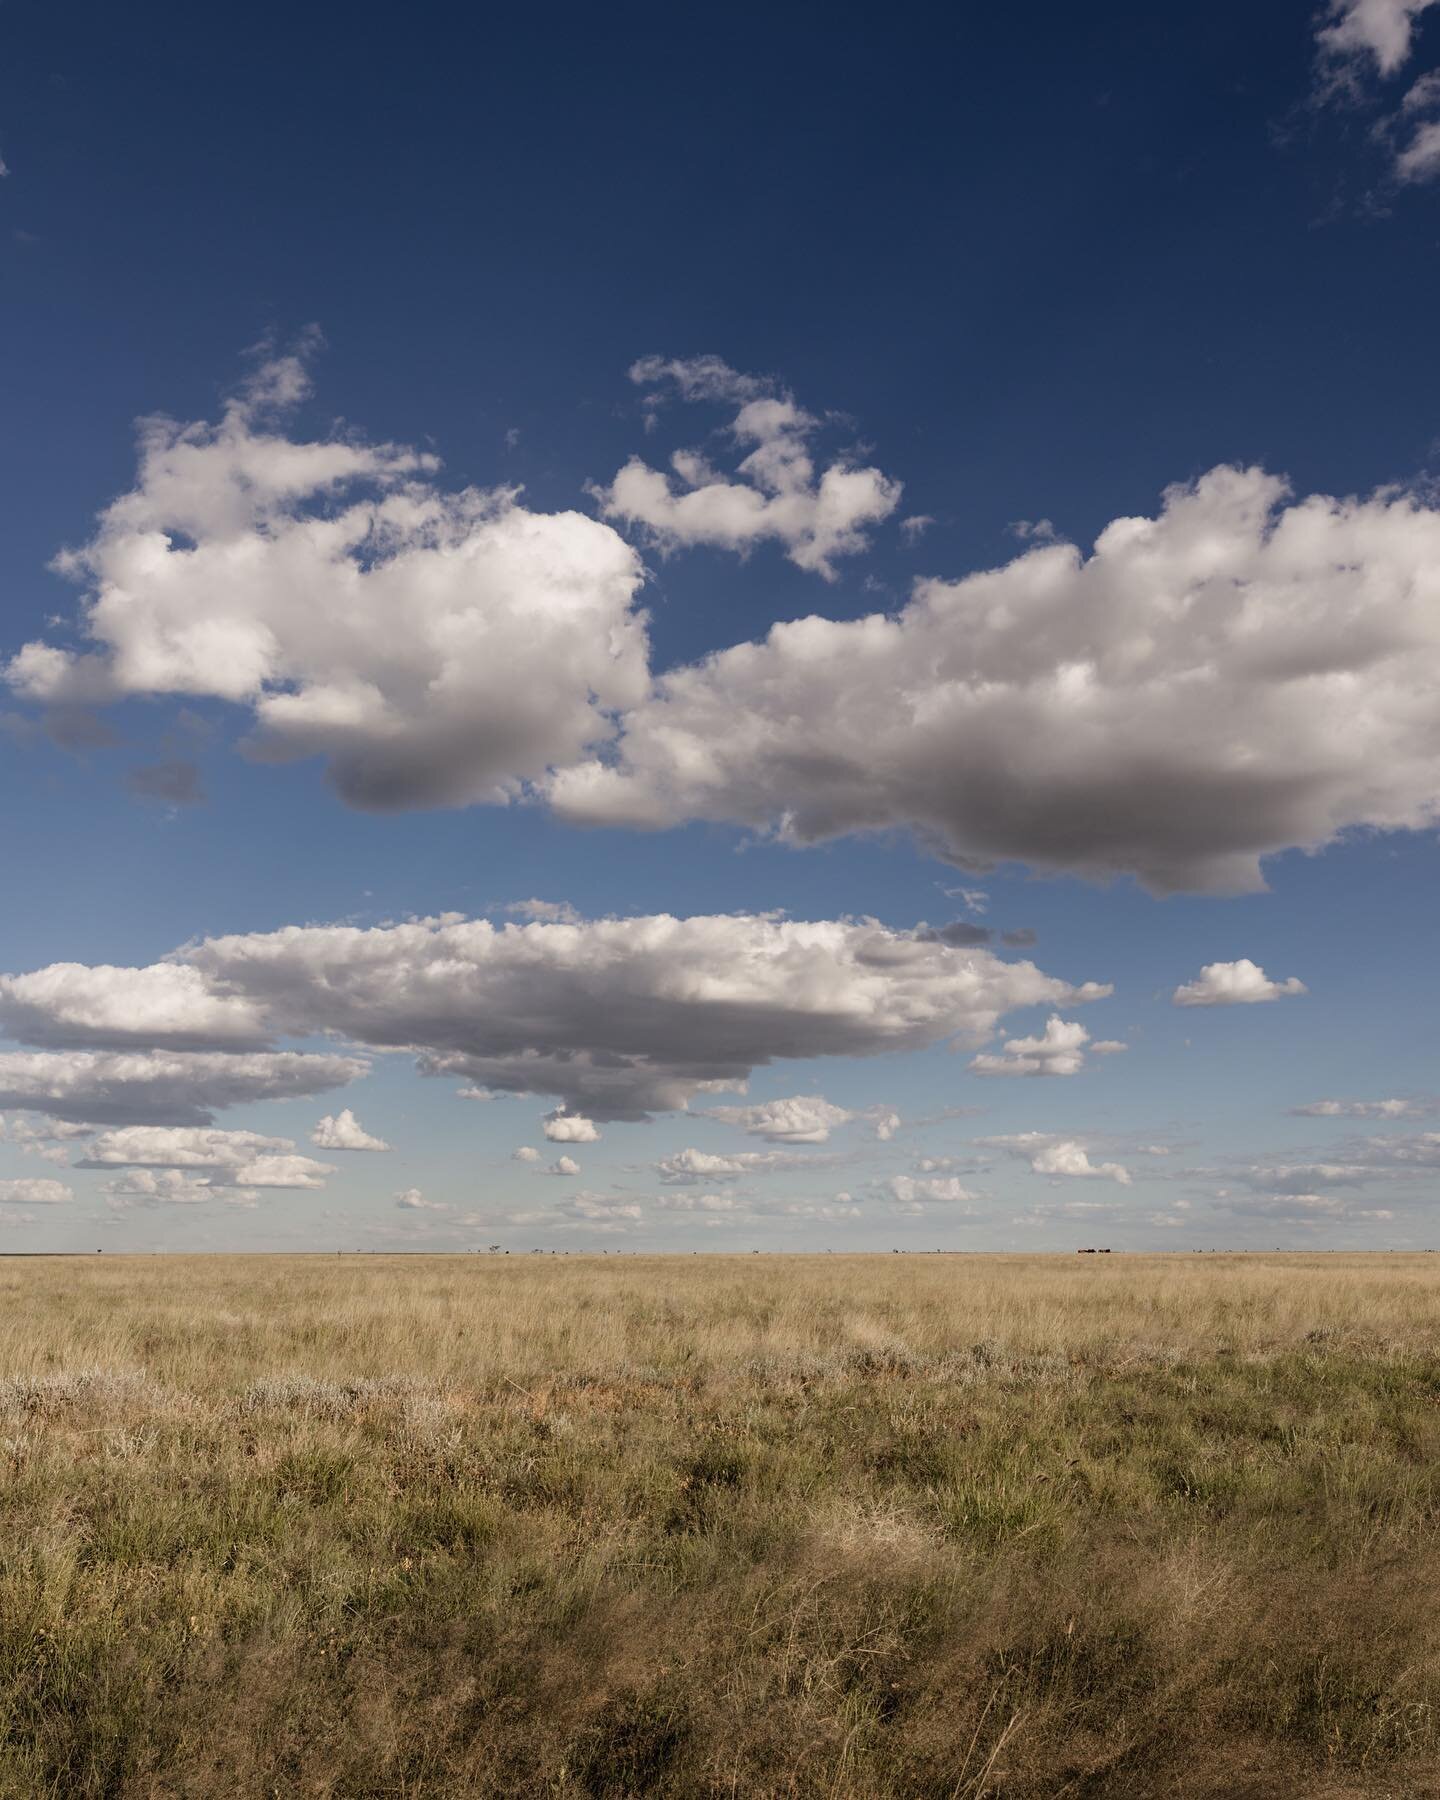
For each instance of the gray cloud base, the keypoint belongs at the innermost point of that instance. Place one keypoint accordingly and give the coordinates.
(615, 1018)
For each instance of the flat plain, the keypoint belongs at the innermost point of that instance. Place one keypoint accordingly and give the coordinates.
(952, 1526)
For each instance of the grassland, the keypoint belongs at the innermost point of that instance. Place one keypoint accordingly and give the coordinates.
(881, 1527)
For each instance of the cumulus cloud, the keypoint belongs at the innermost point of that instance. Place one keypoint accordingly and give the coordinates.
(691, 1165)
(1241, 983)
(163, 1087)
(569, 1128)
(563, 1165)
(435, 648)
(1059, 1156)
(1241, 674)
(775, 493)
(911, 1193)
(615, 1018)
(412, 1200)
(802, 1119)
(525, 1154)
(170, 1187)
(1059, 1050)
(343, 1131)
(227, 1158)
(99, 1006)
(49, 1139)
(34, 1190)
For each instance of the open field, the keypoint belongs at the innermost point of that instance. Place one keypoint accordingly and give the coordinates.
(880, 1526)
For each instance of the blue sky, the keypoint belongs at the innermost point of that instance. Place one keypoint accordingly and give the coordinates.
(506, 377)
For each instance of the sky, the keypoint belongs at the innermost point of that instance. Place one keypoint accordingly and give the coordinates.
(798, 629)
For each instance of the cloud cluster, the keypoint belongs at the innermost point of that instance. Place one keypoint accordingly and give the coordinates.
(1059, 1050)
(689, 1166)
(343, 1131)
(1242, 674)
(913, 1193)
(244, 1159)
(775, 493)
(34, 1190)
(1057, 1156)
(1364, 37)
(161, 1086)
(49, 1139)
(614, 1018)
(801, 1119)
(435, 648)
(1240, 983)
(412, 1200)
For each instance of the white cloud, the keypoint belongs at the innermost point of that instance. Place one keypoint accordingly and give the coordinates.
(704, 1165)
(77, 1004)
(563, 1165)
(343, 1131)
(1241, 983)
(1360, 1109)
(583, 1211)
(1051, 1155)
(709, 1203)
(691, 1165)
(1421, 1151)
(176, 1087)
(1242, 674)
(1420, 159)
(525, 1154)
(550, 912)
(46, 1138)
(597, 1213)
(435, 648)
(166, 1187)
(1378, 31)
(569, 1128)
(160, 1146)
(227, 1158)
(282, 1172)
(412, 1200)
(885, 1123)
(1059, 1050)
(775, 493)
(615, 1018)
(34, 1190)
(912, 1192)
(1304, 1209)
(802, 1119)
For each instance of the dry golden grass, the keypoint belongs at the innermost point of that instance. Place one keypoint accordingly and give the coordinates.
(843, 1527)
